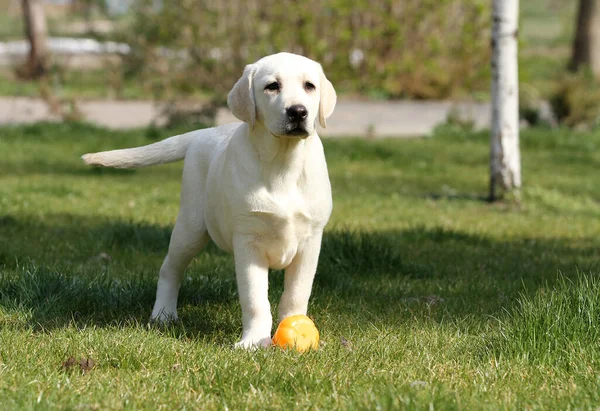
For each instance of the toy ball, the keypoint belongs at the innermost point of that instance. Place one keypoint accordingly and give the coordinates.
(298, 332)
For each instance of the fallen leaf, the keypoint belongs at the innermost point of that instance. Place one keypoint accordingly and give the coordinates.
(433, 299)
(71, 361)
(86, 364)
(418, 384)
(347, 344)
(104, 256)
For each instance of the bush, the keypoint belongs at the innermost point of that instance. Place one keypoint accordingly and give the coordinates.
(576, 102)
(413, 48)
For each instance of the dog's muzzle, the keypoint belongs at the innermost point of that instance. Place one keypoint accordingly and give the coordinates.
(296, 125)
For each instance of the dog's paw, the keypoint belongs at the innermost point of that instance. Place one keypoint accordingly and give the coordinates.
(163, 316)
(252, 344)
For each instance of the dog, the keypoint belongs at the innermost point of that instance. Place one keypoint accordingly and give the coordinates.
(259, 189)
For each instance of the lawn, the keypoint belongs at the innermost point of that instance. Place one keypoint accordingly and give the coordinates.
(426, 295)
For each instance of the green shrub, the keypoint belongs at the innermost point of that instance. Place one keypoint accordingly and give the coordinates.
(576, 101)
(529, 103)
(413, 48)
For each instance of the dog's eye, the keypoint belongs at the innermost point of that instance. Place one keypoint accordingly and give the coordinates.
(274, 86)
(308, 86)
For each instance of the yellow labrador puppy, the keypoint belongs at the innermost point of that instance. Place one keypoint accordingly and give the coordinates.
(259, 189)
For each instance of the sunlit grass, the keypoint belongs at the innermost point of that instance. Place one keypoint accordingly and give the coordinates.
(426, 295)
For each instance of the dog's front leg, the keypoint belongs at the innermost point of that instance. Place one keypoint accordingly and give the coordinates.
(299, 276)
(252, 273)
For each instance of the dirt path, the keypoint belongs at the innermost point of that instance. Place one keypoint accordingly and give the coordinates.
(351, 118)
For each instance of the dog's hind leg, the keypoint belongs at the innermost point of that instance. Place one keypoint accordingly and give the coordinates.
(186, 242)
(188, 238)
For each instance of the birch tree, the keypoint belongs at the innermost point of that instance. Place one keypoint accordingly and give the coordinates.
(505, 157)
(36, 31)
(586, 47)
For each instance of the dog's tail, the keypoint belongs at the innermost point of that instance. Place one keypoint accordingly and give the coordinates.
(165, 151)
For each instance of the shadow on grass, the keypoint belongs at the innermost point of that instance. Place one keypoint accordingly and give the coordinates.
(457, 196)
(65, 270)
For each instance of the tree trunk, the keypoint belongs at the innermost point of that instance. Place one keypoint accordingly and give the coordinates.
(586, 47)
(505, 157)
(35, 29)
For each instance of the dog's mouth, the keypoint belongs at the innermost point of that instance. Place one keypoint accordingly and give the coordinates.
(295, 130)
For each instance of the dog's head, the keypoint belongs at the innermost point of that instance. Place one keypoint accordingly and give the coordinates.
(284, 92)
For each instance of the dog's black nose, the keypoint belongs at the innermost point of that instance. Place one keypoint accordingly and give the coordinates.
(297, 112)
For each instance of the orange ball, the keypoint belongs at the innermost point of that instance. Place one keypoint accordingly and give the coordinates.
(297, 331)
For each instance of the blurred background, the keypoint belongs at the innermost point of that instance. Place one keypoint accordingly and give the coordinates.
(137, 63)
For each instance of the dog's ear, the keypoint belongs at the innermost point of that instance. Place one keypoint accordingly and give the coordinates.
(241, 97)
(327, 101)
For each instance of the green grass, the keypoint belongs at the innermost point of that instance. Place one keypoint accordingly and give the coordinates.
(447, 301)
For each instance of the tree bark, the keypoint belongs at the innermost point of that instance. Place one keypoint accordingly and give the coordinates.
(586, 46)
(36, 31)
(505, 157)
